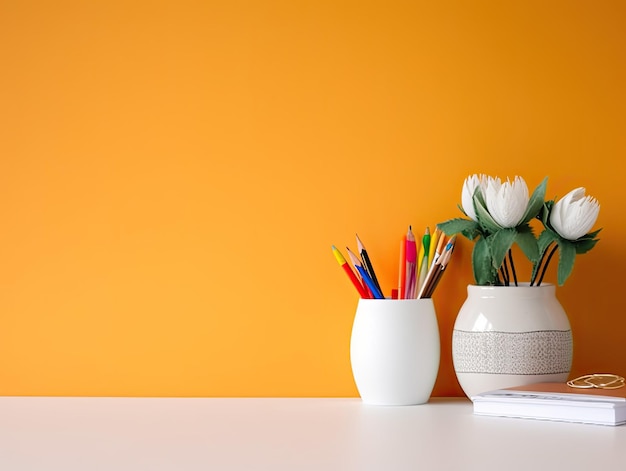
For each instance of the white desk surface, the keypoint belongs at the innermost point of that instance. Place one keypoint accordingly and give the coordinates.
(153, 434)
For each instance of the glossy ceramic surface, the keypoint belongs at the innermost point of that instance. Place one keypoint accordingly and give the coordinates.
(395, 351)
(510, 336)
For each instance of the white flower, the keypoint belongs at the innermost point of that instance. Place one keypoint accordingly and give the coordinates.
(469, 187)
(574, 214)
(506, 202)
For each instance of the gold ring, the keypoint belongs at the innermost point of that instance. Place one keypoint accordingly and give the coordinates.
(598, 381)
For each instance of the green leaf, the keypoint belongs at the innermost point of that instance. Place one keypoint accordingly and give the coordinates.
(467, 227)
(586, 242)
(585, 245)
(591, 235)
(481, 263)
(535, 202)
(500, 243)
(567, 254)
(544, 215)
(526, 241)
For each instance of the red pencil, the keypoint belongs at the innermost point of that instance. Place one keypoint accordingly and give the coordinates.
(346, 267)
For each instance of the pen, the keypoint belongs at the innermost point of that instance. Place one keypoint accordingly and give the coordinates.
(344, 264)
(364, 275)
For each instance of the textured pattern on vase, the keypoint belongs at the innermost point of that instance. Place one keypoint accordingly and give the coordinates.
(519, 353)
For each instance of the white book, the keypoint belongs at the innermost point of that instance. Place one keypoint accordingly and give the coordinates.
(555, 401)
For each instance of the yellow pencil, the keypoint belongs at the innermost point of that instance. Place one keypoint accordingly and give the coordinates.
(422, 261)
(434, 240)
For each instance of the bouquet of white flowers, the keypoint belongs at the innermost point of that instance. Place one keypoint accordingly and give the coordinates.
(499, 215)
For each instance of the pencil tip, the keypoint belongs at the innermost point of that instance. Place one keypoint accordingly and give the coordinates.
(359, 243)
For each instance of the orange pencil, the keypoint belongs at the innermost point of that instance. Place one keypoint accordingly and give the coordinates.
(440, 247)
(346, 267)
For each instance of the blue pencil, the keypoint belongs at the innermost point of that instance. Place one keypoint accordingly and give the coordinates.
(364, 276)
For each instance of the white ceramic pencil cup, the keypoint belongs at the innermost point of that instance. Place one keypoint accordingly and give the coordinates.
(395, 351)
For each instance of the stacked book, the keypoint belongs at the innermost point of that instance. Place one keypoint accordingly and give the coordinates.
(555, 401)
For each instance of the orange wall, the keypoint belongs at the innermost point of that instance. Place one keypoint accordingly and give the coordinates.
(173, 174)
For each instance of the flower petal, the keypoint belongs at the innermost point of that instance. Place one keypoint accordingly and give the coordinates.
(574, 215)
(469, 187)
(507, 202)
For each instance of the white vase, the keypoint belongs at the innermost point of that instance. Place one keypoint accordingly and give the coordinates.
(508, 336)
(395, 351)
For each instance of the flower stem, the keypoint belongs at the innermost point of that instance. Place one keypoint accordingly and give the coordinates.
(505, 273)
(545, 265)
(541, 261)
(512, 267)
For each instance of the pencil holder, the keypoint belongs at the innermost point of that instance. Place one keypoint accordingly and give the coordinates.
(395, 351)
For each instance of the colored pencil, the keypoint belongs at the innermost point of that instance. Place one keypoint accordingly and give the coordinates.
(436, 270)
(422, 250)
(411, 264)
(346, 267)
(356, 261)
(364, 275)
(423, 264)
(402, 268)
(367, 263)
(445, 259)
(434, 241)
(441, 243)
